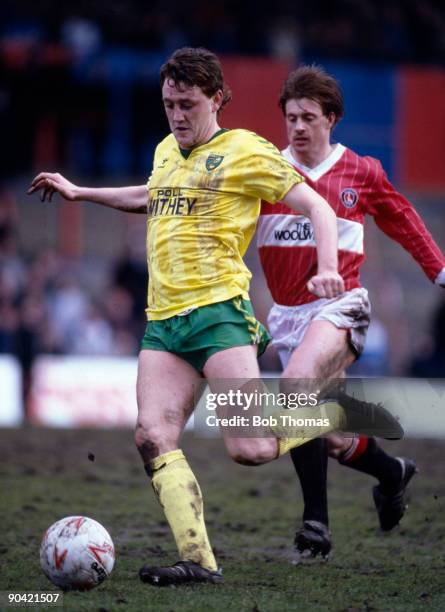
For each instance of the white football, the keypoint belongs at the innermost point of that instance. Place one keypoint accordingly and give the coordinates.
(77, 553)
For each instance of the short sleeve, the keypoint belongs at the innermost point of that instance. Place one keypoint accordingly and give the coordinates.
(266, 174)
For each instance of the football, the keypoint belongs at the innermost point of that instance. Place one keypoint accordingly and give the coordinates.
(77, 553)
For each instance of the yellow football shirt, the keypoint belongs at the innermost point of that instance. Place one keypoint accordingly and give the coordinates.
(203, 205)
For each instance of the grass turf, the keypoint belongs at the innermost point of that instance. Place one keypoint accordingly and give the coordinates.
(251, 516)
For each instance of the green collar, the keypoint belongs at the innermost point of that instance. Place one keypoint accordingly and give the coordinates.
(186, 152)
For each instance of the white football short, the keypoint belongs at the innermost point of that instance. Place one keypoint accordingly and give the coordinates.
(288, 324)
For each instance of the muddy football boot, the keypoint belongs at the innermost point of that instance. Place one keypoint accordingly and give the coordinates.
(182, 572)
(312, 540)
(368, 418)
(391, 506)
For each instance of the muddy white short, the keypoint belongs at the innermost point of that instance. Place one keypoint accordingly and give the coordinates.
(351, 311)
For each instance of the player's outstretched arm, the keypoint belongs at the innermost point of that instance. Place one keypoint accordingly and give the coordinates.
(302, 198)
(398, 219)
(128, 199)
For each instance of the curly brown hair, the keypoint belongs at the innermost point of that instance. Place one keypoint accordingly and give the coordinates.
(314, 83)
(196, 66)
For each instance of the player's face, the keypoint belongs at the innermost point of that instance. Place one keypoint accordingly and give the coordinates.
(192, 115)
(308, 129)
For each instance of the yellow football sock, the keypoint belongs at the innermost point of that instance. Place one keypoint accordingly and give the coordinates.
(180, 496)
(321, 419)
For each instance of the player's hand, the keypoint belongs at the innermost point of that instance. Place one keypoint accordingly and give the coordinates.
(49, 183)
(326, 285)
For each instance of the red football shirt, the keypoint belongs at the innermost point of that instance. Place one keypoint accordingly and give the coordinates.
(354, 186)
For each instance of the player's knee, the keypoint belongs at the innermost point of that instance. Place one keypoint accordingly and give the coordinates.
(262, 451)
(151, 440)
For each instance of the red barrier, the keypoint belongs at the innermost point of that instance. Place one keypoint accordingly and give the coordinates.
(255, 85)
(421, 128)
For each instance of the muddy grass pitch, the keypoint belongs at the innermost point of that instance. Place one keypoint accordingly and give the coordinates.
(251, 515)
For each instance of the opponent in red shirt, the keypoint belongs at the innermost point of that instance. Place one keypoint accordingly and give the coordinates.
(318, 339)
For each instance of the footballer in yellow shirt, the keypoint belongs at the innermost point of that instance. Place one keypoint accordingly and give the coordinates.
(203, 202)
(202, 210)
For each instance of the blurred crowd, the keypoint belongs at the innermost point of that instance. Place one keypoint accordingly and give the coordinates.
(48, 306)
(391, 30)
(429, 361)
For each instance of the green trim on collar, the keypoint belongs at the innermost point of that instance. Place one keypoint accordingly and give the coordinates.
(186, 152)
